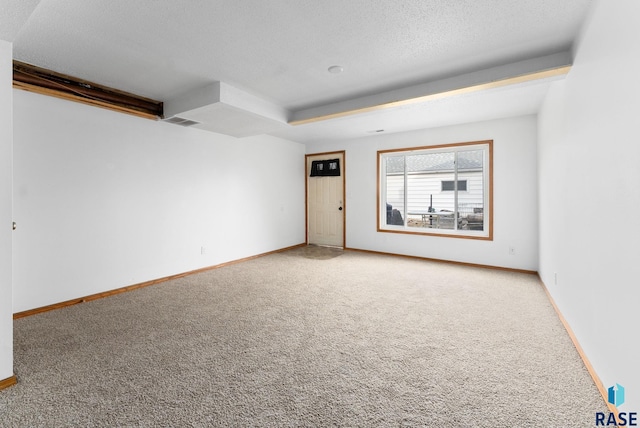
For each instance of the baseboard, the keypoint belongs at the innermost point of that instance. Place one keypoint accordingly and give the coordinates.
(530, 272)
(583, 356)
(4, 384)
(104, 294)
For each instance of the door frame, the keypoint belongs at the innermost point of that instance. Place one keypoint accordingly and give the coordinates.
(344, 193)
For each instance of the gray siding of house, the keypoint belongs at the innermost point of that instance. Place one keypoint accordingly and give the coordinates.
(425, 187)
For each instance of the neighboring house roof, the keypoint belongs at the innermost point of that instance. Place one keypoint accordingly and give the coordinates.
(435, 162)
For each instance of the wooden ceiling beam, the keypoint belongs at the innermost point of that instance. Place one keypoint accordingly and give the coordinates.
(47, 82)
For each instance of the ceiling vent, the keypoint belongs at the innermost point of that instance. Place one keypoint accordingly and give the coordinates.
(181, 121)
(221, 108)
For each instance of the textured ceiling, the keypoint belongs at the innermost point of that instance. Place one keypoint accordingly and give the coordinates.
(280, 50)
(13, 15)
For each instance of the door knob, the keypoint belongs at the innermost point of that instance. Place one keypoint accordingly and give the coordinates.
(340, 208)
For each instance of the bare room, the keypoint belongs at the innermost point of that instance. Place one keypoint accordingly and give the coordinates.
(336, 213)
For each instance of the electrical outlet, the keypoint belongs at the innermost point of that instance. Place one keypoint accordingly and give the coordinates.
(203, 250)
(512, 251)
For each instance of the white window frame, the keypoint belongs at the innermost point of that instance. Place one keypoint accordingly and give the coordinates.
(487, 177)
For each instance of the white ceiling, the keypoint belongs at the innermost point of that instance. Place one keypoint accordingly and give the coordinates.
(280, 50)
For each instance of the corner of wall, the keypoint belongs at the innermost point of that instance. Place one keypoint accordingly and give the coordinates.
(587, 134)
(6, 211)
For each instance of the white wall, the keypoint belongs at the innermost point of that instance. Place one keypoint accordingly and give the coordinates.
(105, 200)
(515, 193)
(6, 142)
(589, 199)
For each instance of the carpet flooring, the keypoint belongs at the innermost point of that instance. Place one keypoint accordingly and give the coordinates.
(293, 340)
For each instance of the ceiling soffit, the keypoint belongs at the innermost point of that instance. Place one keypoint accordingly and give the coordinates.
(393, 53)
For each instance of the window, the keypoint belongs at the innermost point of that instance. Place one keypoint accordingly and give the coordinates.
(325, 168)
(450, 185)
(438, 190)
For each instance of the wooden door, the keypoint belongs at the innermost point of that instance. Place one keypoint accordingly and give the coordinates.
(325, 202)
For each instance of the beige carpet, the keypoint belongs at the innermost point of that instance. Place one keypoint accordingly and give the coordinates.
(287, 340)
(319, 252)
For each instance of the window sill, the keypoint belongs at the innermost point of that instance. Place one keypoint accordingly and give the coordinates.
(443, 233)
